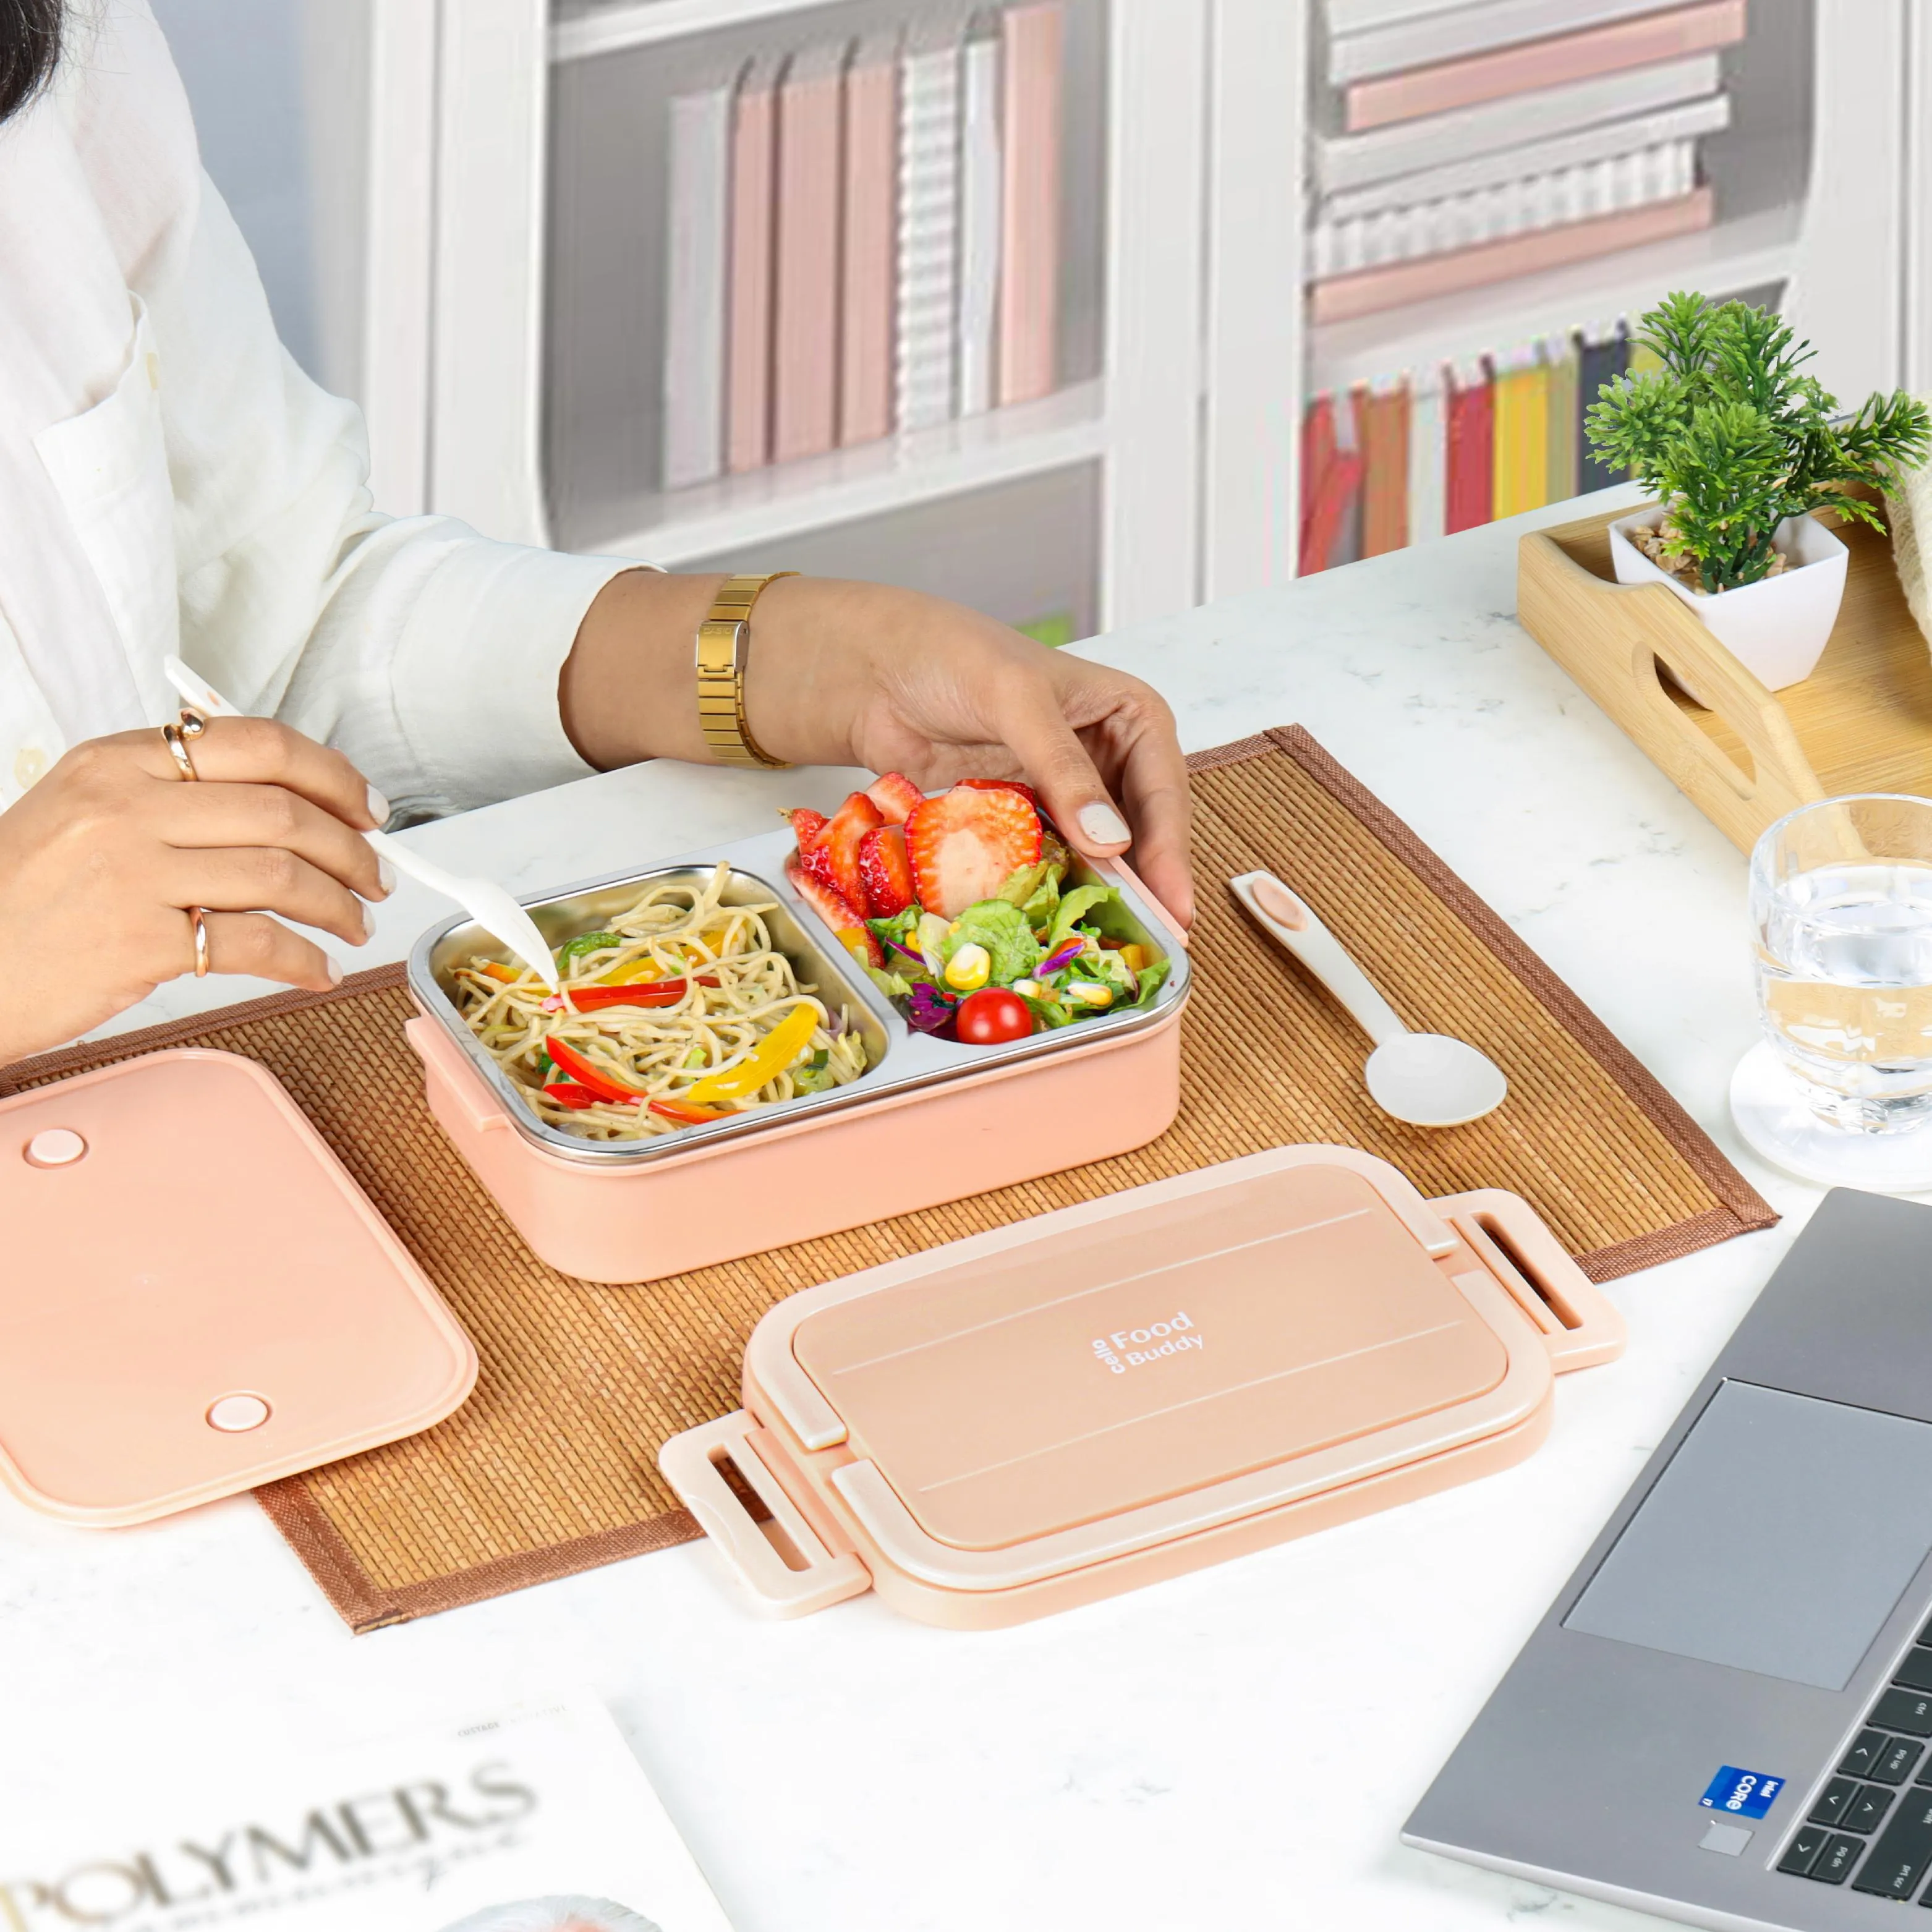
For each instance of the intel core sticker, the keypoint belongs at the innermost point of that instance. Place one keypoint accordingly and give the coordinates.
(1745, 1794)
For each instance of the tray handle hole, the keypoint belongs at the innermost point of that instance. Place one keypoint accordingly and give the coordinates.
(753, 1504)
(1527, 1272)
(1726, 748)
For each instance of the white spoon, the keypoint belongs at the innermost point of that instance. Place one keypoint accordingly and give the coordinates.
(1427, 1079)
(486, 902)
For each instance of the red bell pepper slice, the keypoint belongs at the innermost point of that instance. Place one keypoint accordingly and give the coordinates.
(647, 993)
(607, 1087)
(687, 1113)
(566, 1095)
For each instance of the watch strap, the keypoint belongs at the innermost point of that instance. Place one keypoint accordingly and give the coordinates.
(723, 647)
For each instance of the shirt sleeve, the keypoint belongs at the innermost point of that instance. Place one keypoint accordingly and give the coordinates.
(429, 655)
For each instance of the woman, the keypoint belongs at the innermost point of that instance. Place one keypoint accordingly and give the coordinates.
(170, 481)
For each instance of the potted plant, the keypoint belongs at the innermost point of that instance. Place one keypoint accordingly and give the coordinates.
(1738, 448)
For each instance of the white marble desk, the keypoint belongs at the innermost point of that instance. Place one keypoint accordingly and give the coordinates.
(1236, 1748)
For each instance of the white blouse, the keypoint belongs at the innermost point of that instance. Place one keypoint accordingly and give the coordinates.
(169, 480)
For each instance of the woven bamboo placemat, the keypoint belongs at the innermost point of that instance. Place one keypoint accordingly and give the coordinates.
(550, 1467)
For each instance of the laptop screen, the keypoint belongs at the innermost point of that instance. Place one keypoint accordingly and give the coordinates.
(1777, 1539)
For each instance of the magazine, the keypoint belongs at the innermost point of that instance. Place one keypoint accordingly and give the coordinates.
(542, 1821)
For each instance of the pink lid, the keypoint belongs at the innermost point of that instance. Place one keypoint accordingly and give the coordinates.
(1183, 1341)
(198, 1297)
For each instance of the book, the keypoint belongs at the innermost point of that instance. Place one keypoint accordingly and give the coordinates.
(928, 230)
(1369, 291)
(1695, 29)
(1517, 207)
(1602, 141)
(1346, 476)
(517, 1822)
(1329, 473)
(1471, 448)
(1600, 360)
(1519, 433)
(1382, 434)
(1032, 55)
(748, 355)
(1428, 455)
(1343, 160)
(1371, 36)
(868, 291)
(1561, 452)
(805, 322)
(981, 190)
(698, 183)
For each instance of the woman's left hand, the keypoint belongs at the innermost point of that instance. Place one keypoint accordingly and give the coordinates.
(853, 673)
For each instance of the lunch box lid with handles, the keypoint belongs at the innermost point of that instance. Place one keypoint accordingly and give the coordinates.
(199, 1297)
(1077, 1402)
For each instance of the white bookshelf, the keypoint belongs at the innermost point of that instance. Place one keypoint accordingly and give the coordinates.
(1816, 183)
(1177, 437)
(790, 500)
(480, 419)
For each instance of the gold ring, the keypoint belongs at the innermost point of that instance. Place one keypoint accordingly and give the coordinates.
(200, 919)
(177, 744)
(192, 722)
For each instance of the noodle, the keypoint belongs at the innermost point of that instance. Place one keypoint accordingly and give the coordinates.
(737, 988)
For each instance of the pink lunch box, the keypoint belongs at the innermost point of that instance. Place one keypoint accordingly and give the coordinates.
(1136, 1387)
(932, 1120)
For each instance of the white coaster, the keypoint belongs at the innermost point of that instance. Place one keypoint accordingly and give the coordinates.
(1775, 1123)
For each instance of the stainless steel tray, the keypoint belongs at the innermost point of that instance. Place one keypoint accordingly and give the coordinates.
(902, 1058)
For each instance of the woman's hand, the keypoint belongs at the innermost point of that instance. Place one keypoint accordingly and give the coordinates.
(864, 674)
(99, 862)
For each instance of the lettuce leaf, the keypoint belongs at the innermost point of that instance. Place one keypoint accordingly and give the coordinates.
(1075, 906)
(1152, 978)
(898, 927)
(1002, 930)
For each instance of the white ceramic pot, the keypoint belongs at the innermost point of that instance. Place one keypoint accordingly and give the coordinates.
(1777, 628)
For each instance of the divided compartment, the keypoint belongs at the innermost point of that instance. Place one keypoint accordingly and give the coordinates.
(796, 932)
(900, 1059)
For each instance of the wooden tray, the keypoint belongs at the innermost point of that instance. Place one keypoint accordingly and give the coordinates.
(1862, 722)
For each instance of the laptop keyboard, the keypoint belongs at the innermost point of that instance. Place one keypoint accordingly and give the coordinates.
(1871, 1827)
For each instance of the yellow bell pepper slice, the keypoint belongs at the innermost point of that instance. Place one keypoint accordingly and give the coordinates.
(639, 972)
(781, 1046)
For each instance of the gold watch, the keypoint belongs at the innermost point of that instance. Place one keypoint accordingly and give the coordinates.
(724, 645)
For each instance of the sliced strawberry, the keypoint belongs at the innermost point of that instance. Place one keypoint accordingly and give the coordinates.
(840, 844)
(896, 796)
(965, 844)
(807, 825)
(837, 912)
(886, 871)
(1026, 791)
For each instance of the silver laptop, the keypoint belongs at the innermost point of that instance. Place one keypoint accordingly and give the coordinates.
(1726, 1716)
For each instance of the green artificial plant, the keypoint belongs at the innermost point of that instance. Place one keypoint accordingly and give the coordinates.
(1732, 439)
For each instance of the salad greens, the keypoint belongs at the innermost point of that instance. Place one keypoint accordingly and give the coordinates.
(1045, 945)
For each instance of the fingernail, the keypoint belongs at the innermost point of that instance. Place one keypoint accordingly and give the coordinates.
(378, 807)
(368, 924)
(1103, 824)
(385, 877)
(334, 966)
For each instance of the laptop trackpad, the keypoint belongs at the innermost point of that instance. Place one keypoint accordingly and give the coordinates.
(1777, 1539)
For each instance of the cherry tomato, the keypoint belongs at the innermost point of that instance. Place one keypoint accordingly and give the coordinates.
(992, 1015)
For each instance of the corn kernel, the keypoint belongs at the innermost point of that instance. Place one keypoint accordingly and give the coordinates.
(1031, 989)
(1089, 993)
(969, 969)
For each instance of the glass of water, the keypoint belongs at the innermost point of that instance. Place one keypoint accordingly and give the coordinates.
(1841, 906)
